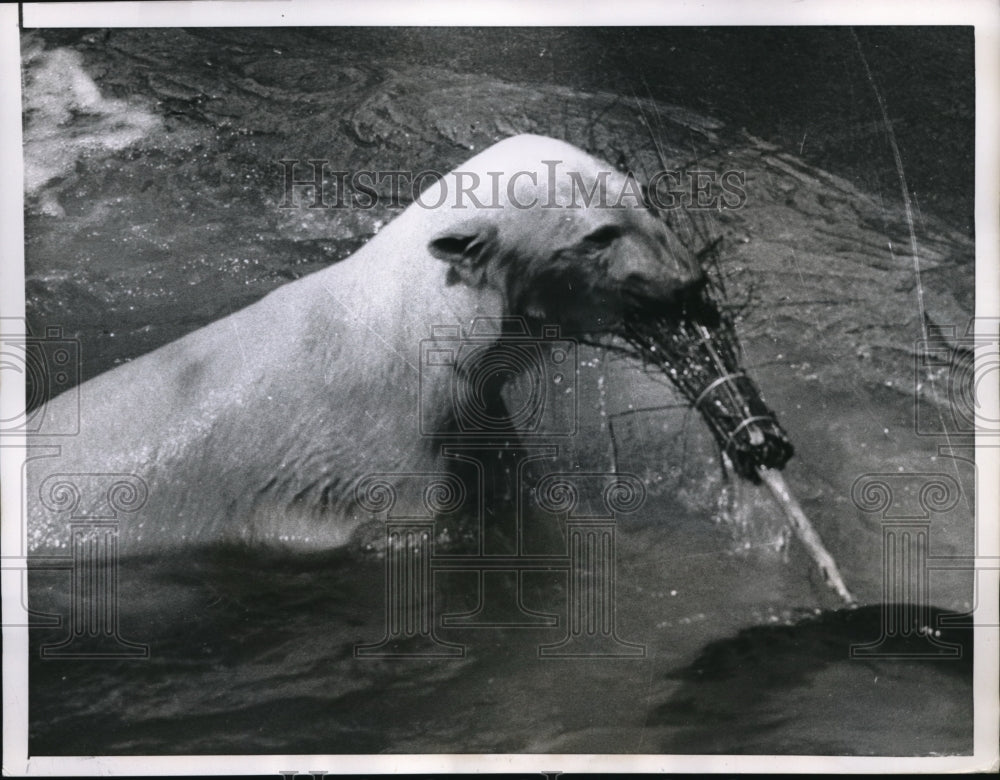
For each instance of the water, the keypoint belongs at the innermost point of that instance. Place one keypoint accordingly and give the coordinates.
(152, 209)
(250, 653)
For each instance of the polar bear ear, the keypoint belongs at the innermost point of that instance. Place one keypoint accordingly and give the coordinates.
(466, 248)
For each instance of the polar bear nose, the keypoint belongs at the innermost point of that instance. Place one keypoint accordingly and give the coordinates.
(667, 297)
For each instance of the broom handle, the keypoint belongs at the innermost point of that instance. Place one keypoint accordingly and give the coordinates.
(805, 532)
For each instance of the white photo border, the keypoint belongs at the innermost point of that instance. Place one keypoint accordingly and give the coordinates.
(982, 14)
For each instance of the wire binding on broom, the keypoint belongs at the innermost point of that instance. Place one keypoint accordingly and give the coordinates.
(696, 347)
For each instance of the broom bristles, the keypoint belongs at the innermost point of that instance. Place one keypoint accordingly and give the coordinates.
(697, 349)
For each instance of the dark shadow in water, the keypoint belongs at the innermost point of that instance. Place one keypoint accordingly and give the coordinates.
(746, 694)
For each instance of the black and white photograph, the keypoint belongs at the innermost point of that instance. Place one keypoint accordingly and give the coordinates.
(388, 390)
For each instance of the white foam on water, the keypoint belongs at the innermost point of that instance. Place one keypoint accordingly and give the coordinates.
(66, 118)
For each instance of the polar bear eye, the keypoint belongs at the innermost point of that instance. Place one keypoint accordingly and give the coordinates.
(603, 235)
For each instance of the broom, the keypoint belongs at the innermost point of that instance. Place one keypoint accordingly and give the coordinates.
(697, 349)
